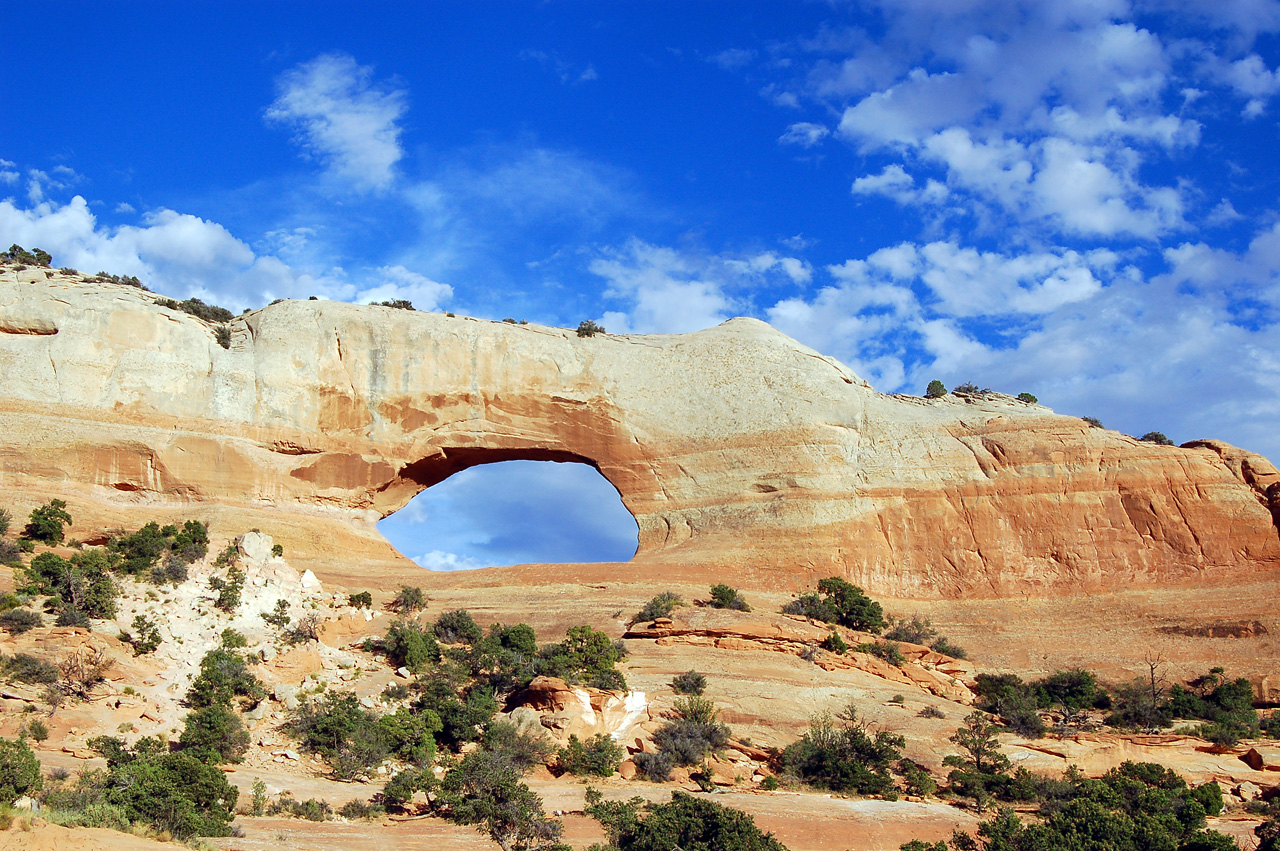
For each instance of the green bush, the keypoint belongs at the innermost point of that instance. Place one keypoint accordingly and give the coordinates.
(18, 621)
(409, 600)
(463, 717)
(1093, 422)
(588, 328)
(19, 770)
(47, 522)
(484, 790)
(170, 791)
(360, 600)
(145, 637)
(841, 754)
(886, 650)
(683, 822)
(19, 255)
(837, 601)
(457, 627)
(935, 390)
(1029, 398)
(688, 739)
(81, 587)
(598, 756)
(659, 607)
(586, 655)
(916, 779)
(397, 303)
(5, 520)
(523, 749)
(726, 597)
(223, 677)
(311, 809)
(197, 308)
(401, 788)
(215, 730)
(834, 643)
(1156, 437)
(410, 646)
(228, 589)
(25, 668)
(690, 682)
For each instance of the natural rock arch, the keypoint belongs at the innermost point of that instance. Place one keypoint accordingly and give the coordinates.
(735, 448)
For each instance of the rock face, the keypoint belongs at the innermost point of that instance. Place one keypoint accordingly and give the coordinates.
(735, 448)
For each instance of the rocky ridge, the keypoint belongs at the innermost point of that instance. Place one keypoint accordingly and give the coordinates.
(738, 450)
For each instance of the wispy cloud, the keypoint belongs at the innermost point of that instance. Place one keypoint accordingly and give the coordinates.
(343, 118)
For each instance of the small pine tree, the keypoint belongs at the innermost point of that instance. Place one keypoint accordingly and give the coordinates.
(935, 390)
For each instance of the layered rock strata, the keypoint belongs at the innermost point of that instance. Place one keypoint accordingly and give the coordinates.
(736, 449)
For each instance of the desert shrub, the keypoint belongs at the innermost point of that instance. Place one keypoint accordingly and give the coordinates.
(140, 551)
(660, 606)
(279, 616)
(968, 388)
(946, 648)
(457, 627)
(410, 646)
(484, 790)
(6, 519)
(411, 735)
(82, 670)
(18, 621)
(215, 733)
(277, 550)
(916, 779)
(524, 750)
(145, 637)
(886, 650)
(47, 521)
(833, 643)
(463, 718)
(397, 303)
(1029, 398)
(917, 630)
(306, 628)
(694, 734)
(10, 553)
(409, 600)
(170, 791)
(935, 390)
(842, 754)
(37, 730)
(223, 677)
(228, 589)
(1093, 422)
(82, 584)
(232, 639)
(360, 600)
(401, 788)
(586, 655)
(931, 711)
(655, 767)
(25, 668)
(222, 335)
(1271, 726)
(353, 810)
(690, 682)
(598, 756)
(837, 601)
(588, 328)
(312, 809)
(1156, 437)
(726, 597)
(342, 732)
(208, 312)
(18, 254)
(19, 770)
(683, 822)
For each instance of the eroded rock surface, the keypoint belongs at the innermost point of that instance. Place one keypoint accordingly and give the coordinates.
(736, 449)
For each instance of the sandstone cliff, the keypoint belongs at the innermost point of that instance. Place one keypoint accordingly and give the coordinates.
(734, 447)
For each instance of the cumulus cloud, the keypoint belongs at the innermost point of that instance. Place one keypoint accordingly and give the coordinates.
(668, 291)
(342, 117)
(184, 255)
(400, 283)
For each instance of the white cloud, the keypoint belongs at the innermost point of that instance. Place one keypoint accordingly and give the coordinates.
(805, 134)
(670, 291)
(894, 182)
(438, 560)
(342, 117)
(125, 208)
(734, 58)
(400, 283)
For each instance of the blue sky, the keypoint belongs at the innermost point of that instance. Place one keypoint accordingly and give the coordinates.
(1075, 199)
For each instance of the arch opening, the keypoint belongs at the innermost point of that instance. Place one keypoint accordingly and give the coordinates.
(486, 508)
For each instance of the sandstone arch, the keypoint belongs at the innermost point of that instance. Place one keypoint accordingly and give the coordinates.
(735, 448)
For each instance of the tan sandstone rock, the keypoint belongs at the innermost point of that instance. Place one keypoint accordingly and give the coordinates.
(739, 451)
